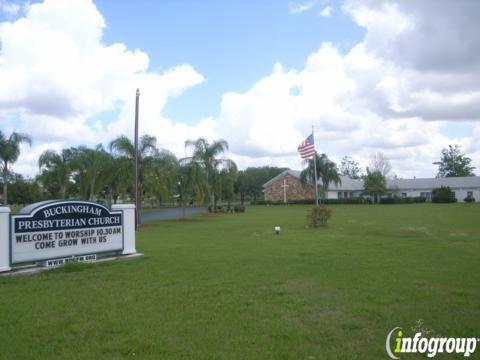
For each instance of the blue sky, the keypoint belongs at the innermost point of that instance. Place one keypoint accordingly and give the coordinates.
(231, 43)
(397, 77)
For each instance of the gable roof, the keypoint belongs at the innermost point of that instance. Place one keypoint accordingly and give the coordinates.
(347, 182)
(294, 173)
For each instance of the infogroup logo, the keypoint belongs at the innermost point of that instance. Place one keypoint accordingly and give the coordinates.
(430, 346)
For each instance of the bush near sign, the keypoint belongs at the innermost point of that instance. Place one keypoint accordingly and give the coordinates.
(59, 229)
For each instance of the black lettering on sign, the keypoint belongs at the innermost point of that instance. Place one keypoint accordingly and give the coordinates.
(55, 229)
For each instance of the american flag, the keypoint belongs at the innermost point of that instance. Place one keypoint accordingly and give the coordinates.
(307, 147)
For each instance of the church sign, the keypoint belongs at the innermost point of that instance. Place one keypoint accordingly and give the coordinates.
(61, 229)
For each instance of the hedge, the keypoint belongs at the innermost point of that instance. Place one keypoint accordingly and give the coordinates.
(349, 201)
(346, 201)
(403, 200)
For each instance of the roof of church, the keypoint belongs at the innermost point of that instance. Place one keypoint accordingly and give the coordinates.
(294, 173)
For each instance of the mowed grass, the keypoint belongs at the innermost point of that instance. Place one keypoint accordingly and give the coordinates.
(226, 287)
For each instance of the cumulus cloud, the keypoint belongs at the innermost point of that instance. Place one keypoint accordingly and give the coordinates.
(392, 92)
(413, 75)
(269, 120)
(430, 55)
(9, 8)
(326, 11)
(56, 74)
(297, 8)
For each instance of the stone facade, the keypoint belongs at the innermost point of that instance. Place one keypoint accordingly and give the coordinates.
(295, 189)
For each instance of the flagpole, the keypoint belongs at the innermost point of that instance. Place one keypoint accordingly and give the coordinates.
(315, 165)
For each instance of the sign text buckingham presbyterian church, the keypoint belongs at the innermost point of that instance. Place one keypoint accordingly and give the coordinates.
(67, 228)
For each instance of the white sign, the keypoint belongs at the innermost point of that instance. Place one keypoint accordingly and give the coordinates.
(59, 229)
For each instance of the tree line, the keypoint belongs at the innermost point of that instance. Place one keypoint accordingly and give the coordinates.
(106, 174)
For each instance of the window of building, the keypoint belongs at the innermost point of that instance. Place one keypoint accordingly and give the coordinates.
(404, 194)
(339, 194)
(470, 193)
(427, 195)
(345, 194)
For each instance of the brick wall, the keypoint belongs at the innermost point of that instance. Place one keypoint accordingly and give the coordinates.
(295, 189)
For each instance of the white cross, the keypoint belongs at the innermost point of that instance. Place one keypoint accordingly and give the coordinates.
(284, 186)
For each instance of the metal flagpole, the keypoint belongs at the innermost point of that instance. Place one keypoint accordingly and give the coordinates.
(315, 165)
(137, 195)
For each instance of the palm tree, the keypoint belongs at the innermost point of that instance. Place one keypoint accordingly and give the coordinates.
(9, 153)
(191, 182)
(228, 177)
(90, 166)
(206, 155)
(327, 173)
(160, 175)
(57, 168)
(123, 147)
(118, 178)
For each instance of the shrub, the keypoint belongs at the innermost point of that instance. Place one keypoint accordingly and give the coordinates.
(469, 199)
(347, 201)
(266, 202)
(403, 200)
(302, 202)
(239, 208)
(318, 216)
(344, 201)
(443, 195)
(389, 201)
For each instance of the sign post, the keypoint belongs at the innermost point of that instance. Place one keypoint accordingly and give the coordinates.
(4, 239)
(128, 227)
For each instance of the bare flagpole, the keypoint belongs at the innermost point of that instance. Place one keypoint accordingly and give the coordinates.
(315, 165)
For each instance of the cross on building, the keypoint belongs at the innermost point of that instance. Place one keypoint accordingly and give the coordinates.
(285, 186)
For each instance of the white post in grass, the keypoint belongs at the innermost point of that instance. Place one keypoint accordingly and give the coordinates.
(128, 227)
(4, 238)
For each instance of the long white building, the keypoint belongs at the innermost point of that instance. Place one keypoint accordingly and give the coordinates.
(461, 187)
(286, 186)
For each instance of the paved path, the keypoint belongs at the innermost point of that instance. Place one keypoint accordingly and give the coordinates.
(169, 213)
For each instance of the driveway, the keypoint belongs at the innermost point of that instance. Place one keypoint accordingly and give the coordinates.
(169, 213)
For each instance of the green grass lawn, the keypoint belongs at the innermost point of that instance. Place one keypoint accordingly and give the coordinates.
(228, 288)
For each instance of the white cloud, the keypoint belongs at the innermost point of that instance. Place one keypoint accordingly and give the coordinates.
(297, 8)
(393, 92)
(28, 165)
(56, 74)
(9, 8)
(326, 11)
(380, 96)
(428, 69)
